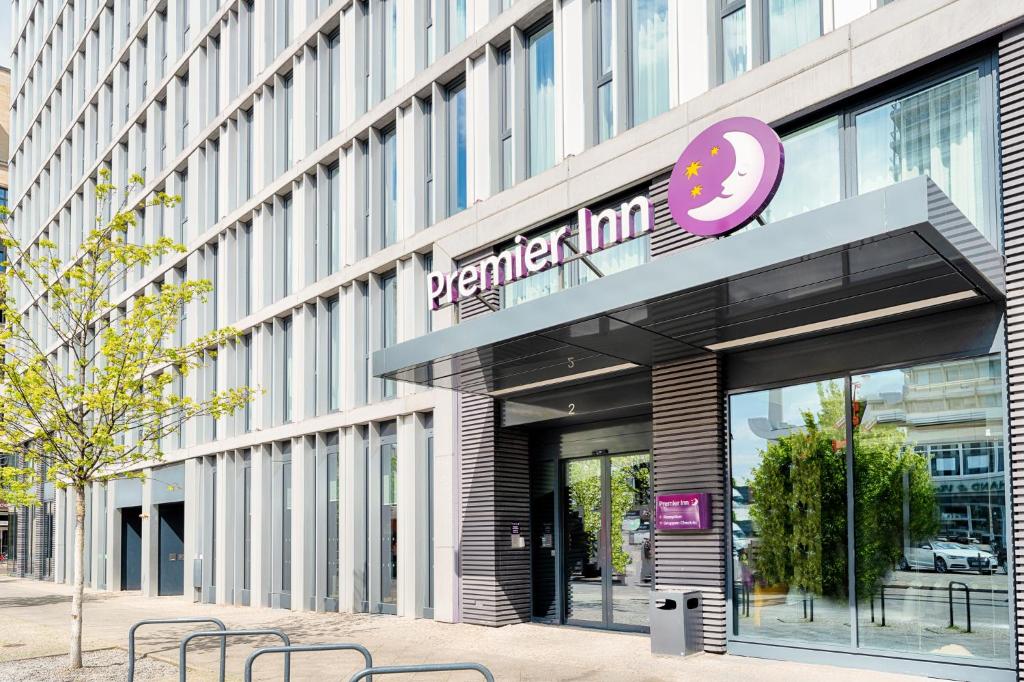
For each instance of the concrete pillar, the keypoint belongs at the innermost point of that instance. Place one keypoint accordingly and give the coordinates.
(261, 514)
(150, 540)
(303, 523)
(446, 505)
(413, 527)
(224, 529)
(353, 534)
(59, 530)
(193, 548)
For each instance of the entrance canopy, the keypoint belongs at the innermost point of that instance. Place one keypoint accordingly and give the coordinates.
(890, 253)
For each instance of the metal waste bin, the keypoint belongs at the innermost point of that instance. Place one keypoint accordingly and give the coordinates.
(677, 623)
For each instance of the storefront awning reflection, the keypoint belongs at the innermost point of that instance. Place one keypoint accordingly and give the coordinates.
(890, 253)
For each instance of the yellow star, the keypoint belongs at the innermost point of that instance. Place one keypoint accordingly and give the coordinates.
(714, 151)
(695, 192)
(692, 169)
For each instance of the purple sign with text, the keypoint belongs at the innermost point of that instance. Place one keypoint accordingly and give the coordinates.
(725, 176)
(683, 511)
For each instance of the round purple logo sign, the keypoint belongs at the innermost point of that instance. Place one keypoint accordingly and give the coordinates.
(725, 176)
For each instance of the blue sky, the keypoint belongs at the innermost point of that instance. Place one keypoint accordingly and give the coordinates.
(5, 33)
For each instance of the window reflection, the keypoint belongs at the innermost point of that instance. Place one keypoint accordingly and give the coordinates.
(789, 514)
(649, 58)
(931, 509)
(791, 23)
(811, 179)
(937, 133)
(928, 486)
(542, 100)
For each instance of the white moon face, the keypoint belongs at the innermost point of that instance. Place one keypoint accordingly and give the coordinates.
(741, 183)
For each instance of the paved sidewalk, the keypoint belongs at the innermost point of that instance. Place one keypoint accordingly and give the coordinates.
(34, 622)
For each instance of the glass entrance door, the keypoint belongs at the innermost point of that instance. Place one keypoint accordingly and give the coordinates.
(607, 540)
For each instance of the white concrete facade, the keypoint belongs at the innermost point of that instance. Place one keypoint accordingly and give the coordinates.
(195, 95)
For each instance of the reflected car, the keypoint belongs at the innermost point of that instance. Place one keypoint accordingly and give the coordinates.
(948, 556)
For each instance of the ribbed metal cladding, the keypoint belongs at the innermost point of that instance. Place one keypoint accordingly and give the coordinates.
(667, 236)
(689, 456)
(495, 491)
(1011, 113)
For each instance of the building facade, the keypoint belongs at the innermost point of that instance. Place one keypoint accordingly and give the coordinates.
(840, 381)
(7, 528)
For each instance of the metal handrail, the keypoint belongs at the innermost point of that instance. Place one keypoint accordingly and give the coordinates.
(224, 634)
(422, 668)
(169, 621)
(367, 658)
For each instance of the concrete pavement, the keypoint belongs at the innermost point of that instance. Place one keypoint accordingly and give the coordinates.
(34, 622)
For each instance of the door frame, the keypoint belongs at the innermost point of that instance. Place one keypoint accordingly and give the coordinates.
(604, 544)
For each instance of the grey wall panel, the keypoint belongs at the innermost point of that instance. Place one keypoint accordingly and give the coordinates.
(667, 236)
(689, 456)
(1011, 113)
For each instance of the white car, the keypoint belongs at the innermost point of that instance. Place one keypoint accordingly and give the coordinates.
(943, 556)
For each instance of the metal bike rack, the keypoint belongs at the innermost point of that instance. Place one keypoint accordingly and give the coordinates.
(967, 597)
(367, 658)
(169, 621)
(224, 634)
(422, 668)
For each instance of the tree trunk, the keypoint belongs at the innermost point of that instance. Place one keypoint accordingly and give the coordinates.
(76, 599)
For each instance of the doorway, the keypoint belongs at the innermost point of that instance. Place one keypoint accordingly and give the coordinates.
(171, 548)
(606, 536)
(131, 548)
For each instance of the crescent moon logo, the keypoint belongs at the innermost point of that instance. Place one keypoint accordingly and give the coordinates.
(725, 176)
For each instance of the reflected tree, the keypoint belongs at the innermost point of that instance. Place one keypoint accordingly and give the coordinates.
(798, 502)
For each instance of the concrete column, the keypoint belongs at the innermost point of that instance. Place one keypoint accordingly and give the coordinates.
(193, 524)
(97, 499)
(413, 530)
(225, 531)
(353, 521)
(303, 523)
(261, 512)
(690, 54)
(574, 81)
(150, 541)
(446, 503)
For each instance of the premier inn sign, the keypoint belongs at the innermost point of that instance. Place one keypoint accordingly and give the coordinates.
(529, 256)
(723, 179)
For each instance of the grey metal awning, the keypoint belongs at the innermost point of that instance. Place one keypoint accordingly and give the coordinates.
(885, 254)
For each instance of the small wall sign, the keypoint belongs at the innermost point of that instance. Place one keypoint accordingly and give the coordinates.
(683, 511)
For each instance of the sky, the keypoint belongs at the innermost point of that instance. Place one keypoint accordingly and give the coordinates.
(5, 33)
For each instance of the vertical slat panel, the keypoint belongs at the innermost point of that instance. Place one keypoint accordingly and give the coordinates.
(1011, 115)
(689, 455)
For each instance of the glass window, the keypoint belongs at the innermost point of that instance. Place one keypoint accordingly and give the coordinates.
(428, 24)
(334, 83)
(389, 37)
(288, 127)
(791, 23)
(789, 530)
(505, 125)
(734, 43)
(456, 22)
(389, 523)
(929, 502)
(812, 177)
(286, 369)
(922, 534)
(457, 156)
(246, 521)
(937, 132)
(649, 58)
(333, 517)
(286, 518)
(429, 432)
(334, 354)
(605, 18)
(334, 219)
(285, 246)
(428, 163)
(389, 195)
(541, 94)
(389, 316)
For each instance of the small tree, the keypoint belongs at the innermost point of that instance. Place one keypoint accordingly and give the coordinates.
(101, 408)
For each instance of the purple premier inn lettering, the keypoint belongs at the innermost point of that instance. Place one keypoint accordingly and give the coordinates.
(529, 256)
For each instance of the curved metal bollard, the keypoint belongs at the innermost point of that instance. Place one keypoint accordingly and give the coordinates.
(422, 668)
(169, 621)
(367, 658)
(224, 634)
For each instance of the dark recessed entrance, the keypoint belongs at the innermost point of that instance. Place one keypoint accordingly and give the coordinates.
(131, 548)
(171, 548)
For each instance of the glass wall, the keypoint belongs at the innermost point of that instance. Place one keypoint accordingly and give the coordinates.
(940, 131)
(936, 132)
(389, 323)
(388, 519)
(927, 483)
(649, 58)
(541, 97)
(389, 185)
(791, 23)
(735, 53)
(457, 157)
(333, 517)
(285, 500)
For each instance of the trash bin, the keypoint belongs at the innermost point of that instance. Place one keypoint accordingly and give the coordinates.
(677, 623)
